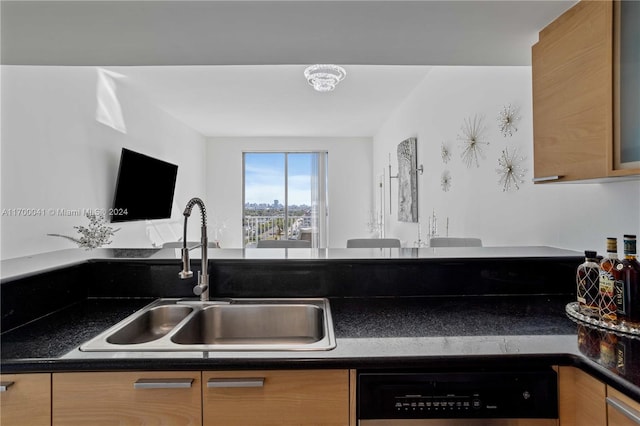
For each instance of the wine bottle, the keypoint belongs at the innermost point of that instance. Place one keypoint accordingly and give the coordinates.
(588, 285)
(610, 268)
(627, 290)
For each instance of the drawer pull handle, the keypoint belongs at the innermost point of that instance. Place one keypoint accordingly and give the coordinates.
(546, 178)
(163, 383)
(623, 408)
(253, 382)
(4, 386)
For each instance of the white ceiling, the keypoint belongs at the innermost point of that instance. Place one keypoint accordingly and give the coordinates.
(234, 68)
(428, 32)
(275, 100)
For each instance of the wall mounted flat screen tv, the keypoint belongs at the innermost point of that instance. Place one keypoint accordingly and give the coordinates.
(144, 189)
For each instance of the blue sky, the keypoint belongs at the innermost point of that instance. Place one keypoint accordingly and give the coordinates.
(264, 178)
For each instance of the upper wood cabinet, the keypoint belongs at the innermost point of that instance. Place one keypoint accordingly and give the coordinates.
(573, 96)
(626, 86)
(25, 399)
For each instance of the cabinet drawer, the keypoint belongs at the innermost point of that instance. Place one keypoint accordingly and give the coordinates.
(622, 410)
(276, 398)
(132, 398)
(25, 399)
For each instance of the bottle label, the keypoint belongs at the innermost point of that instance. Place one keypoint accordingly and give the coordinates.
(608, 310)
(621, 297)
(630, 247)
(607, 283)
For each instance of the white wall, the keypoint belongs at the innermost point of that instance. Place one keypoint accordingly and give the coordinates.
(55, 155)
(350, 186)
(573, 216)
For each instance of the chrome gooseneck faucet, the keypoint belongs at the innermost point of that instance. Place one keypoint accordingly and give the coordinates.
(202, 288)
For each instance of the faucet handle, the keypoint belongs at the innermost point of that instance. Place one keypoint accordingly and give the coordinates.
(201, 287)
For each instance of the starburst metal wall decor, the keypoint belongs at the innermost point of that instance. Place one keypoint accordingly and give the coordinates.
(510, 171)
(507, 119)
(445, 181)
(445, 153)
(472, 139)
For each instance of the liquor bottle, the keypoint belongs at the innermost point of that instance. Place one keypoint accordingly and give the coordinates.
(610, 268)
(628, 288)
(588, 285)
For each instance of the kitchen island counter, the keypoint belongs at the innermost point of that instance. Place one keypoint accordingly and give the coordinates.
(450, 308)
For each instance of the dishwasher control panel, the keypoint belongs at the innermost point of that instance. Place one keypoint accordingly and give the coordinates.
(438, 403)
(418, 395)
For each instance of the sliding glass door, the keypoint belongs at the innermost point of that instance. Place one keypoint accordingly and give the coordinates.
(285, 197)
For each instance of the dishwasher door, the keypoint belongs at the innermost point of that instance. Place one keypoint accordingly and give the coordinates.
(461, 422)
(469, 398)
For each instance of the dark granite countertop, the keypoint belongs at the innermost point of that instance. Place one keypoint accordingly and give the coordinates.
(16, 268)
(449, 316)
(371, 333)
(56, 334)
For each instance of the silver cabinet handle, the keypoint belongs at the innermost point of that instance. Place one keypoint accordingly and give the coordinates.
(249, 382)
(546, 178)
(4, 386)
(630, 412)
(163, 383)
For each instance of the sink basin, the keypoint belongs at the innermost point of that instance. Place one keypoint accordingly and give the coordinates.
(233, 325)
(287, 324)
(153, 324)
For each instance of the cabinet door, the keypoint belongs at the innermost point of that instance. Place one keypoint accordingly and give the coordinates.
(626, 86)
(572, 70)
(276, 398)
(131, 398)
(622, 410)
(581, 398)
(25, 399)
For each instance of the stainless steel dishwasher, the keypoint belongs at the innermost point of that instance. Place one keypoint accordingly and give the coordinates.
(461, 398)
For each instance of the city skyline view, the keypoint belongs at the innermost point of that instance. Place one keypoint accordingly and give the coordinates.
(264, 176)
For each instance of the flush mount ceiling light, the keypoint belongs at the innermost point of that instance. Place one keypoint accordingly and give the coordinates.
(324, 77)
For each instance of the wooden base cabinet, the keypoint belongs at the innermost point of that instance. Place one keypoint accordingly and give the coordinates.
(581, 398)
(585, 401)
(621, 410)
(131, 398)
(276, 398)
(25, 399)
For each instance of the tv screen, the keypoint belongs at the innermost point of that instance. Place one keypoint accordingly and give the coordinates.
(144, 189)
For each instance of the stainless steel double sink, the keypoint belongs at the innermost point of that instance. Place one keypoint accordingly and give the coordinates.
(228, 325)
